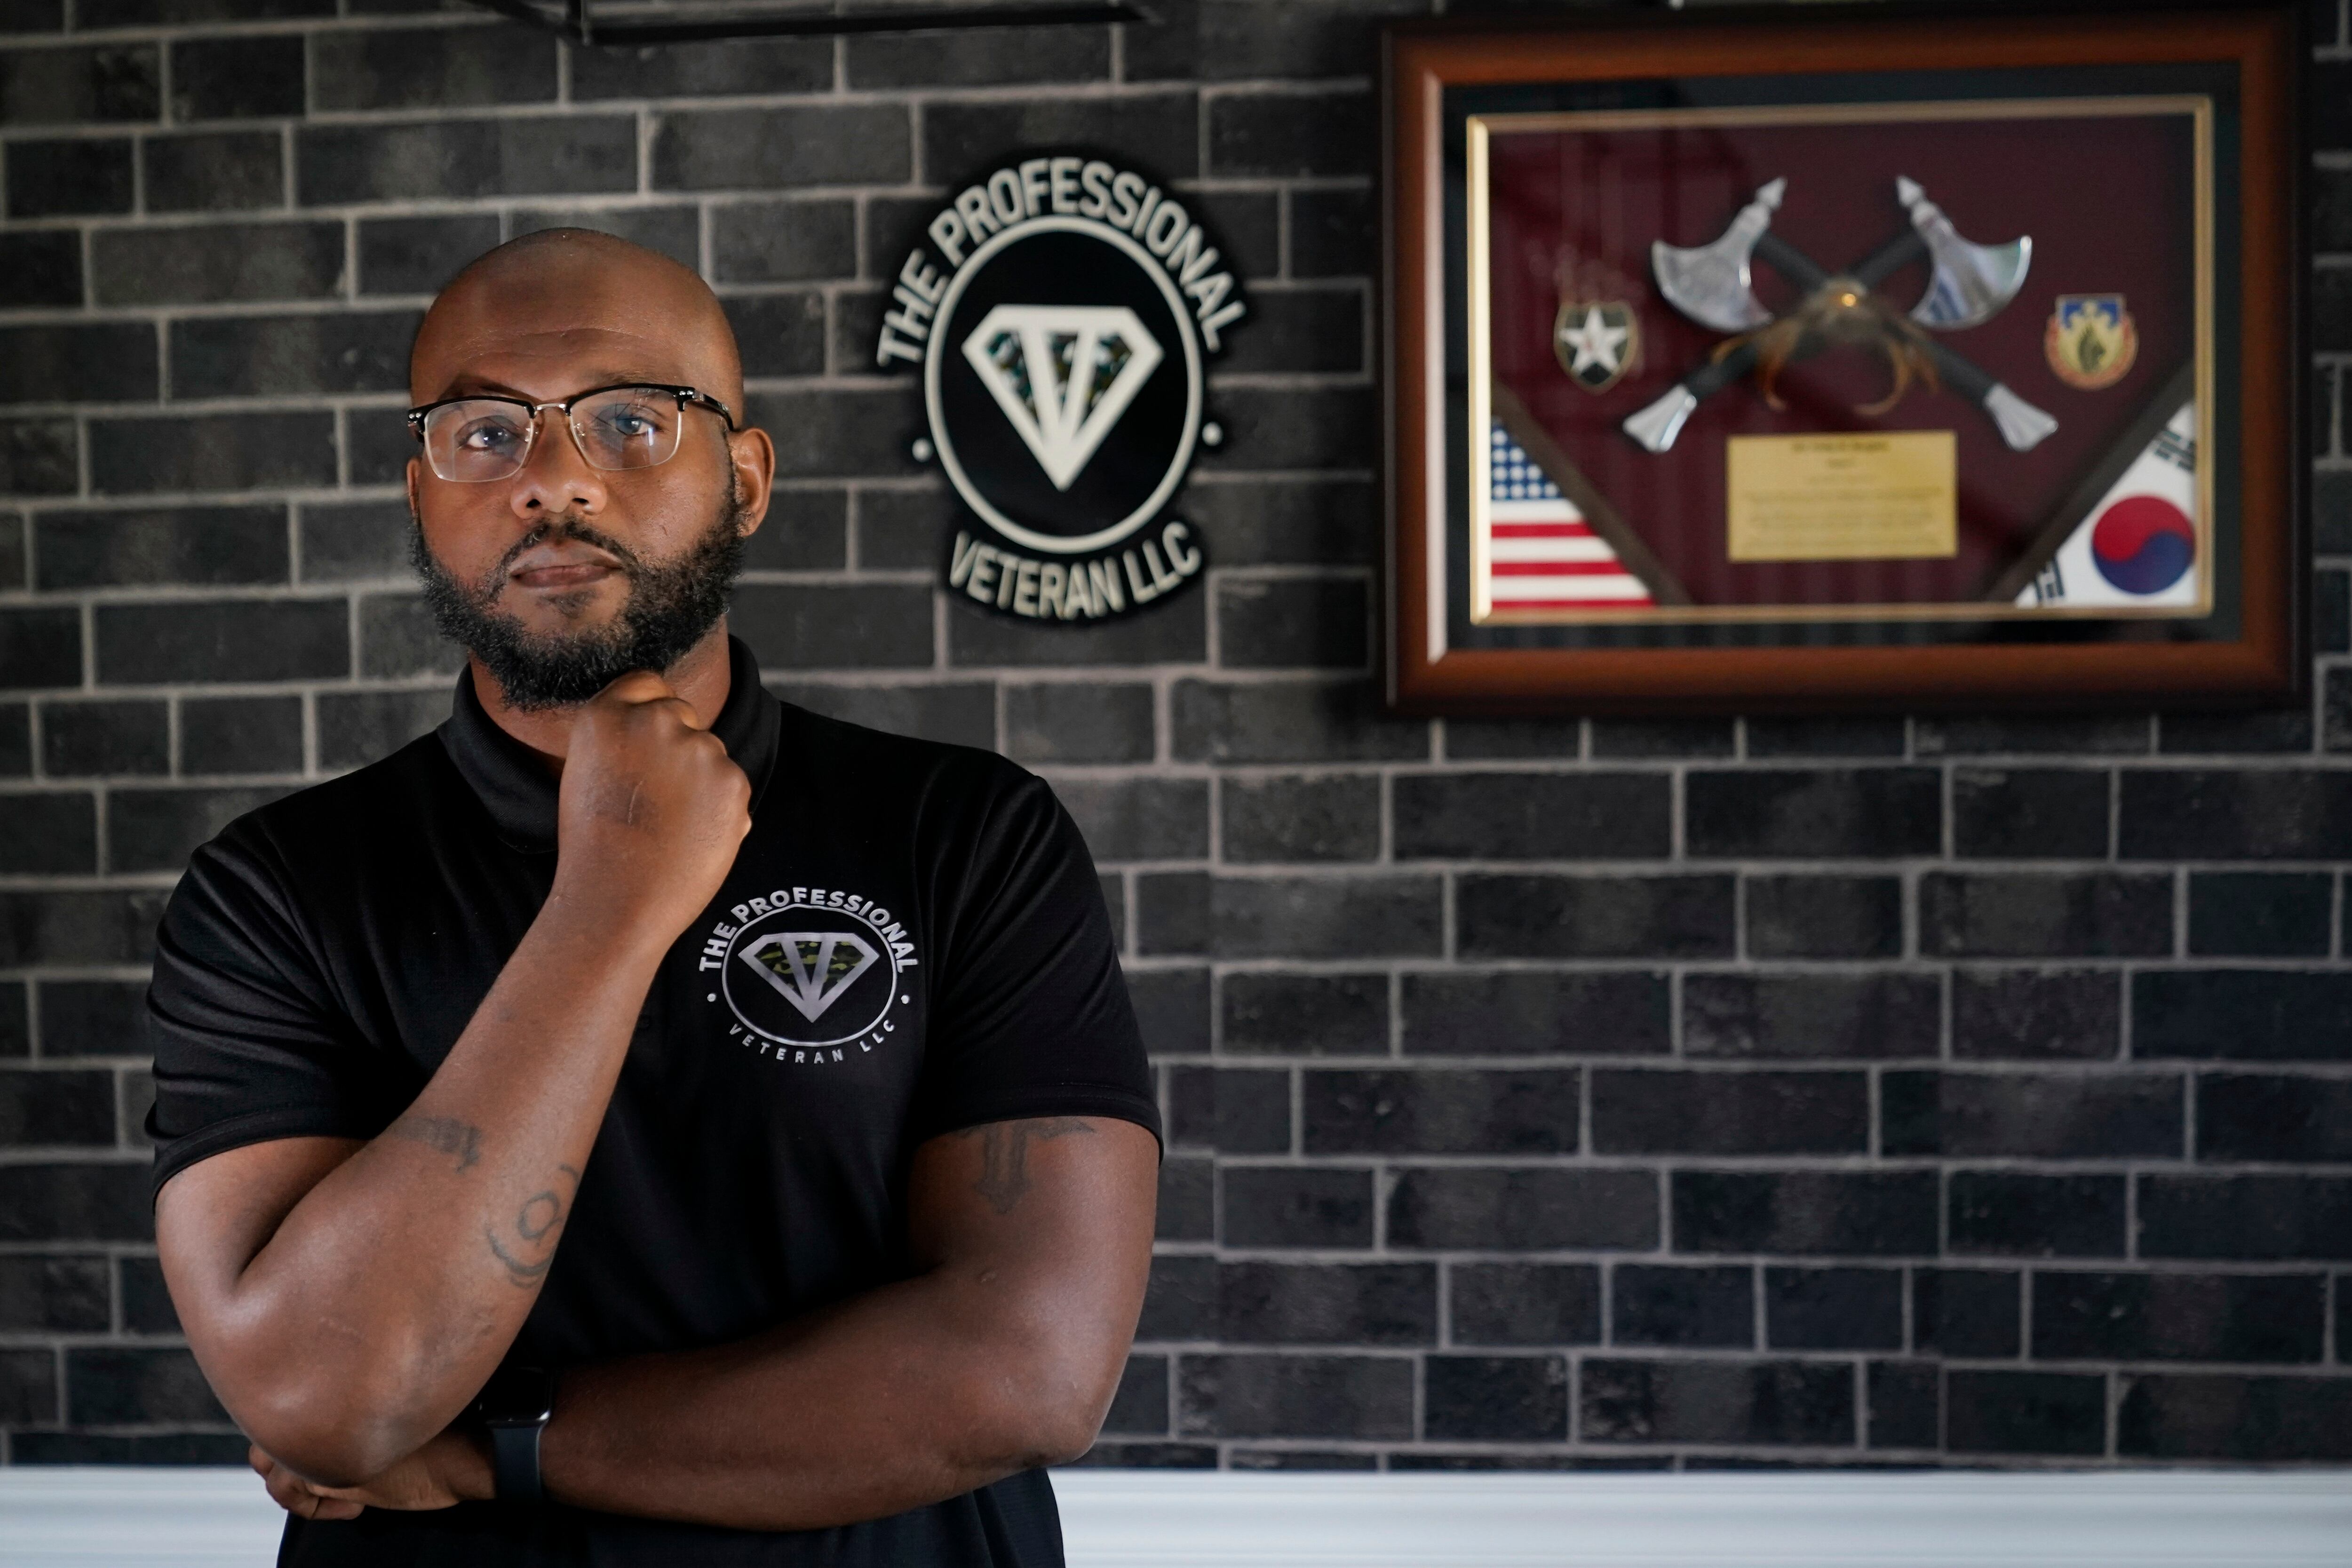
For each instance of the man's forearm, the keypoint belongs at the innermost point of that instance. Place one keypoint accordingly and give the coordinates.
(384, 1298)
(1035, 1237)
(909, 1395)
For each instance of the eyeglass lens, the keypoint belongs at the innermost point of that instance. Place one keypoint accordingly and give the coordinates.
(489, 438)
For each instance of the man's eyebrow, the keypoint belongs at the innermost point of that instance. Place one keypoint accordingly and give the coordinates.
(479, 385)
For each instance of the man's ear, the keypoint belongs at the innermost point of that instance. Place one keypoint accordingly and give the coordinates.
(751, 461)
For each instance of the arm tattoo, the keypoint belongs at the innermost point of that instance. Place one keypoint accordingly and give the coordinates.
(1005, 1155)
(443, 1135)
(528, 1254)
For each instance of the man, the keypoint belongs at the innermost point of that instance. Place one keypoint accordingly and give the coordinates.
(756, 1095)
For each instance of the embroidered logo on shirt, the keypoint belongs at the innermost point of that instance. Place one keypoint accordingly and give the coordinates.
(810, 969)
(811, 975)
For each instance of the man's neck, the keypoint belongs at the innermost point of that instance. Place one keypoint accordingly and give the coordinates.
(701, 678)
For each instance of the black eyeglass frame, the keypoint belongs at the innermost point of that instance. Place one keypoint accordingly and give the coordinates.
(686, 395)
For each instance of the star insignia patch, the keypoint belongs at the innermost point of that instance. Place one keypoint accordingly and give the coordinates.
(1599, 341)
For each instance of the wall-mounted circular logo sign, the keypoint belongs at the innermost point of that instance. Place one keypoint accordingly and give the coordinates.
(1060, 314)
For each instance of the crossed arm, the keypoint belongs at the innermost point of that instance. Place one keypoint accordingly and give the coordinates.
(1032, 1239)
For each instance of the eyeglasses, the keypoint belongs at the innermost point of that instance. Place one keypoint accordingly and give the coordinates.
(472, 440)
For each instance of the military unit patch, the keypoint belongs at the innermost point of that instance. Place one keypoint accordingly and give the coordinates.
(1599, 341)
(2091, 341)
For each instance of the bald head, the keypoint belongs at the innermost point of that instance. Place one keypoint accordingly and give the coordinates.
(563, 310)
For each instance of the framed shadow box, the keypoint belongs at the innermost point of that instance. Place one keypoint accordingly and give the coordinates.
(1847, 356)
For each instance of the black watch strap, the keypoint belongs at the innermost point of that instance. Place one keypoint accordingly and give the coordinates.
(515, 1406)
(514, 1458)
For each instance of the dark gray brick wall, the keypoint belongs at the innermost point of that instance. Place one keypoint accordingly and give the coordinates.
(1663, 1093)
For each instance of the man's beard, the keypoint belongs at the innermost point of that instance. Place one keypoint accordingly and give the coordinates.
(671, 604)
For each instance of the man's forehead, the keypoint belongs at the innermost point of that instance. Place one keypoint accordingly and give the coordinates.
(538, 322)
(552, 364)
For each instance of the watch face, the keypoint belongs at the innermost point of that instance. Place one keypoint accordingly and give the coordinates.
(518, 1396)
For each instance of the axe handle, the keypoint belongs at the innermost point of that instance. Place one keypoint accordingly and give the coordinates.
(1955, 373)
(1890, 259)
(1962, 376)
(1789, 262)
(1870, 271)
(1808, 275)
(1717, 374)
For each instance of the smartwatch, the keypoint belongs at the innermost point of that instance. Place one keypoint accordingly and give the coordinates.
(514, 1406)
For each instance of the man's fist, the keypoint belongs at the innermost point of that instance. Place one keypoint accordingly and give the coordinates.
(652, 808)
(454, 1468)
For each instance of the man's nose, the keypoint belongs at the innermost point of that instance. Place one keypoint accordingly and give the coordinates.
(557, 478)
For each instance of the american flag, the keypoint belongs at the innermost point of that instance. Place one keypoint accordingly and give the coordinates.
(1540, 552)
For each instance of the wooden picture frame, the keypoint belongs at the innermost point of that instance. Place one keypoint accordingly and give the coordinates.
(2125, 528)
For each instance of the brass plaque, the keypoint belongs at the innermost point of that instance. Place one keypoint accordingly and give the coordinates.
(1844, 498)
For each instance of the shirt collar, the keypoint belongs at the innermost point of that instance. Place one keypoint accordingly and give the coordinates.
(518, 792)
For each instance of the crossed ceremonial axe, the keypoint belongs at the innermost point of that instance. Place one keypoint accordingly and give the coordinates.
(1712, 285)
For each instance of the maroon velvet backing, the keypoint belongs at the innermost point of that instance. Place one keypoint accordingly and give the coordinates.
(2109, 202)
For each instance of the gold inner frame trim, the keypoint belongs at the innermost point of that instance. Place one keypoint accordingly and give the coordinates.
(1477, 257)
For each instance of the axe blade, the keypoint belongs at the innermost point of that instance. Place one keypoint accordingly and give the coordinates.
(1711, 283)
(1971, 284)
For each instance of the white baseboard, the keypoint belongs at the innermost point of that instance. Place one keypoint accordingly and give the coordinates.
(130, 1518)
(134, 1516)
(1139, 1519)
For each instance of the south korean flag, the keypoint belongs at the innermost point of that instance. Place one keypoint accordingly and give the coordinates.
(2138, 546)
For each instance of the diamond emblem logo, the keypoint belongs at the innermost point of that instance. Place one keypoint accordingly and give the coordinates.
(810, 969)
(1062, 374)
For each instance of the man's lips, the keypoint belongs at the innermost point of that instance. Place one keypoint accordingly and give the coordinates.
(572, 568)
(570, 576)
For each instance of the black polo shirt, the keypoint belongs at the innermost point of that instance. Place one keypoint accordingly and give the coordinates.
(912, 940)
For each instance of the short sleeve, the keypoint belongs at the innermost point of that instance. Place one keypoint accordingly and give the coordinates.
(249, 1045)
(1031, 1016)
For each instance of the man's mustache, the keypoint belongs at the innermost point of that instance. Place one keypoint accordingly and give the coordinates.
(565, 527)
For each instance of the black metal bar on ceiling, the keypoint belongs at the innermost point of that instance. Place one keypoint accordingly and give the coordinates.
(581, 27)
